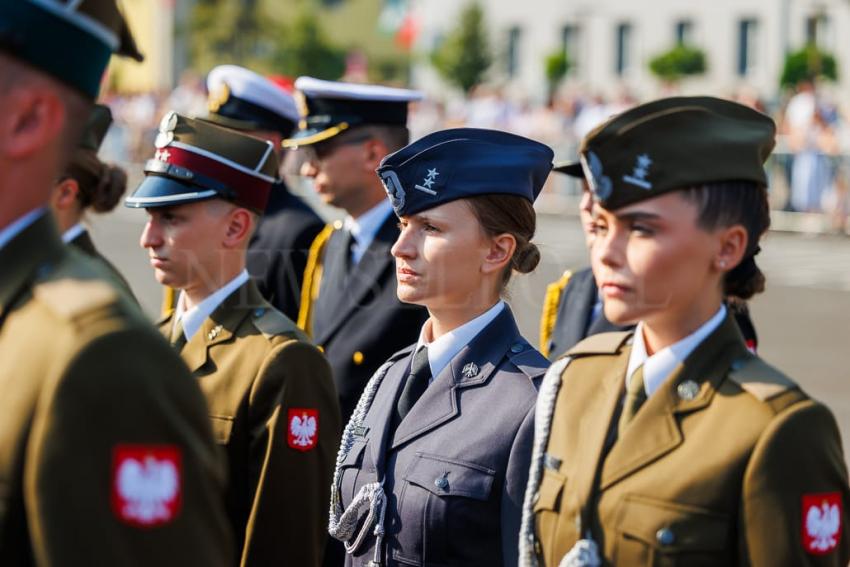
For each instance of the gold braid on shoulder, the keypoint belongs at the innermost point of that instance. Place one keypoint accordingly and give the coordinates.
(550, 310)
(312, 279)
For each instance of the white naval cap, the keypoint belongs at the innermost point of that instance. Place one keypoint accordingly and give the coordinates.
(242, 99)
(329, 107)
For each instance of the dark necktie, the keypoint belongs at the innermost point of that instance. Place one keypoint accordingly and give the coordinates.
(415, 385)
(635, 397)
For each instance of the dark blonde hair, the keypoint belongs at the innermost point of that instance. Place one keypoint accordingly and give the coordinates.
(514, 215)
(725, 204)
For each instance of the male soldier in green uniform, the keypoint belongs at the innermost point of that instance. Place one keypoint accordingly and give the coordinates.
(272, 400)
(106, 455)
(675, 444)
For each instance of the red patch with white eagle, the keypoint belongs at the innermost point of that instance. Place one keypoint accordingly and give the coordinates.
(822, 522)
(147, 484)
(303, 429)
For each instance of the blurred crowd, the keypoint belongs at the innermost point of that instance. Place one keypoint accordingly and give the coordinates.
(809, 170)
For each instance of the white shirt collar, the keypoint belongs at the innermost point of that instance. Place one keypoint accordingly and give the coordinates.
(365, 227)
(18, 226)
(194, 318)
(443, 350)
(658, 367)
(73, 232)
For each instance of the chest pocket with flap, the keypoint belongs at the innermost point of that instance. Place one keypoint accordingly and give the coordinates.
(655, 532)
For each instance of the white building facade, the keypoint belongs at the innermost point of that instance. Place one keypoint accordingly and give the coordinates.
(610, 42)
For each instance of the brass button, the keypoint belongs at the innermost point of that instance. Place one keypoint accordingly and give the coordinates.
(357, 358)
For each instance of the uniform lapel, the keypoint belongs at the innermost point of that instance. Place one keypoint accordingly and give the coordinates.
(36, 247)
(472, 366)
(84, 243)
(655, 430)
(222, 325)
(349, 294)
(380, 414)
(595, 423)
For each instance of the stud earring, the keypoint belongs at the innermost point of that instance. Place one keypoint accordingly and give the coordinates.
(722, 264)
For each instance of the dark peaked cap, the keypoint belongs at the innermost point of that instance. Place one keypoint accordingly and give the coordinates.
(674, 143)
(463, 162)
(70, 40)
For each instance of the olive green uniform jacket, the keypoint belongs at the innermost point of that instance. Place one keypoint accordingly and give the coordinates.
(84, 243)
(95, 407)
(264, 381)
(734, 472)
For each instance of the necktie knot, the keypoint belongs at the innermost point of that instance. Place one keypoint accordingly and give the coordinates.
(635, 397)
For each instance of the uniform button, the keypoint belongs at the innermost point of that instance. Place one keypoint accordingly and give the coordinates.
(337, 224)
(442, 482)
(357, 358)
(665, 536)
(259, 312)
(321, 348)
(518, 347)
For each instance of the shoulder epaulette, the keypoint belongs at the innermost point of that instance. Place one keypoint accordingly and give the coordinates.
(760, 379)
(602, 343)
(313, 277)
(272, 323)
(71, 298)
(549, 316)
(529, 361)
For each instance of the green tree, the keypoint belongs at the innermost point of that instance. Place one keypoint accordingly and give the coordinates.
(677, 63)
(307, 51)
(557, 64)
(228, 31)
(464, 56)
(808, 64)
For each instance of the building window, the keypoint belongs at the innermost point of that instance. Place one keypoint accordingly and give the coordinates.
(571, 41)
(747, 46)
(514, 38)
(624, 49)
(818, 31)
(684, 32)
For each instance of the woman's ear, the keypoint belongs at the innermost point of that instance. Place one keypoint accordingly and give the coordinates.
(65, 194)
(732, 245)
(499, 253)
(240, 227)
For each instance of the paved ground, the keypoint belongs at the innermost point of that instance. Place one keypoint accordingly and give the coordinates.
(802, 319)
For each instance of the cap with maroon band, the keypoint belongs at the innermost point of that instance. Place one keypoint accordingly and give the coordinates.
(196, 161)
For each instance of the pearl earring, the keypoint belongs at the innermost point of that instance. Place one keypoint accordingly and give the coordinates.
(722, 264)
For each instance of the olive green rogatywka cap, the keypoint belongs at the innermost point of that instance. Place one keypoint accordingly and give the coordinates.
(674, 143)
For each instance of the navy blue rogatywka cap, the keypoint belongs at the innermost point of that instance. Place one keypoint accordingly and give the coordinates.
(463, 162)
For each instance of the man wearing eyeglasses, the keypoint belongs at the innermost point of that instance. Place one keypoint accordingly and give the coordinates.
(349, 303)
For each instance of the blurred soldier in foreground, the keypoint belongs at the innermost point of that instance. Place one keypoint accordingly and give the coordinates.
(272, 401)
(106, 455)
(89, 184)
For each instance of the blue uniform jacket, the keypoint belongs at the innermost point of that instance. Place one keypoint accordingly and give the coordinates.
(456, 468)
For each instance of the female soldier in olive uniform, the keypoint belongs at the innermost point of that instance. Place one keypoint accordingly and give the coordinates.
(676, 445)
(89, 184)
(433, 458)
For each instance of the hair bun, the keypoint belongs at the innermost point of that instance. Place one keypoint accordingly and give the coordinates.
(527, 258)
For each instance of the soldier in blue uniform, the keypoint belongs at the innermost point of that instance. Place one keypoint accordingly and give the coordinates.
(431, 465)
(242, 100)
(349, 304)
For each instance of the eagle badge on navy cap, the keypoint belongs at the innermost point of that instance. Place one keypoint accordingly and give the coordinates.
(392, 185)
